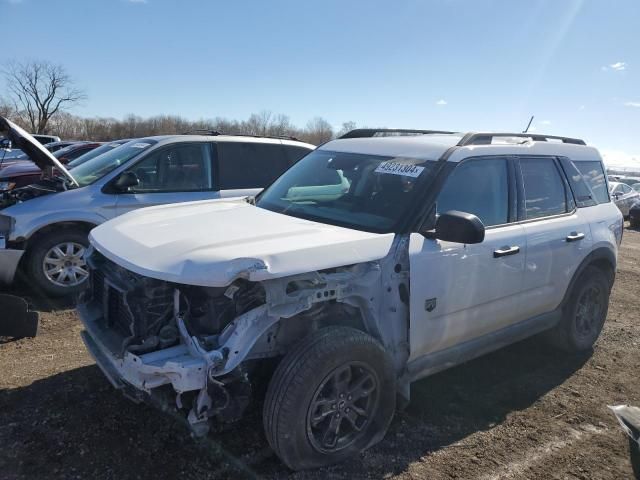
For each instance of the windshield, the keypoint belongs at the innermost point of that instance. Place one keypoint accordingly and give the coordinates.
(107, 147)
(63, 151)
(99, 166)
(364, 192)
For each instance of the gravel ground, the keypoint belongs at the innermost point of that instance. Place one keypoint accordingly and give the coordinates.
(523, 412)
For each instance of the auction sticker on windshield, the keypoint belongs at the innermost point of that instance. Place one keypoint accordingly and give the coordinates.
(140, 145)
(397, 168)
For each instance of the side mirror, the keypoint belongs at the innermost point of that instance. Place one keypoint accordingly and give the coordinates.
(617, 195)
(125, 181)
(5, 144)
(459, 227)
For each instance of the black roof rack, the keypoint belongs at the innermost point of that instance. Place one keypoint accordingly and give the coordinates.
(214, 133)
(202, 131)
(371, 132)
(486, 138)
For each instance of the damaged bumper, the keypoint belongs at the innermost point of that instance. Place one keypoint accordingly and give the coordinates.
(171, 366)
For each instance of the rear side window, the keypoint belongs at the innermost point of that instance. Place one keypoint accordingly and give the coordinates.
(294, 153)
(250, 165)
(582, 192)
(594, 176)
(480, 187)
(543, 188)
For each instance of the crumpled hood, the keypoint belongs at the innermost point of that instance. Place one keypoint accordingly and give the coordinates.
(211, 243)
(34, 149)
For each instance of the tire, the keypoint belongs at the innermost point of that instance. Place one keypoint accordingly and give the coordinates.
(584, 314)
(634, 451)
(634, 223)
(321, 375)
(44, 249)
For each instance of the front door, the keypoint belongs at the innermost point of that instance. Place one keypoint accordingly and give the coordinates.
(180, 172)
(461, 292)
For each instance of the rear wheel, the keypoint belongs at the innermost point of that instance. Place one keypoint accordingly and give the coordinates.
(634, 222)
(330, 398)
(584, 314)
(55, 263)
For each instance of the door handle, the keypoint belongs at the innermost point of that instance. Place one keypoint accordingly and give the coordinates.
(574, 237)
(506, 251)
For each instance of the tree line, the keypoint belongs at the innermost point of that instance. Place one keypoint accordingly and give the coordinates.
(40, 94)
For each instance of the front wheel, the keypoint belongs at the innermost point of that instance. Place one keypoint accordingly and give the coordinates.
(330, 398)
(55, 263)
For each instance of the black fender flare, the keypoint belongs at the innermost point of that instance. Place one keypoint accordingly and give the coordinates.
(598, 257)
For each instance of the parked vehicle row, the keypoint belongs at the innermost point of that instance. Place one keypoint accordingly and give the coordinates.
(345, 272)
(624, 196)
(44, 226)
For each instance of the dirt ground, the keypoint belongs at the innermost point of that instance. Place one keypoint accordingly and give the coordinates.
(522, 412)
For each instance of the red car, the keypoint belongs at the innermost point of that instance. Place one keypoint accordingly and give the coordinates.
(24, 172)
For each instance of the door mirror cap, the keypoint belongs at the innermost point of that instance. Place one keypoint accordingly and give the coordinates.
(459, 227)
(125, 181)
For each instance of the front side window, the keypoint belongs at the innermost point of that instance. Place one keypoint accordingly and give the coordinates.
(96, 168)
(360, 191)
(250, 164)
(182, 167)
(544, 189)
(478, 186)
(593, 174)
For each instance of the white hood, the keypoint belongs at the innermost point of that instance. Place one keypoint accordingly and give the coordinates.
(211, 243)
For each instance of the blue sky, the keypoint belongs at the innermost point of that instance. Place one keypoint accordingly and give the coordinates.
(448, 64)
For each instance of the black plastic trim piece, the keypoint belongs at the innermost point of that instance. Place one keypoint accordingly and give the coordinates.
(371, 132)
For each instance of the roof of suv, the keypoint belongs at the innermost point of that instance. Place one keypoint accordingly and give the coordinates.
(225, 138)
(434, 146)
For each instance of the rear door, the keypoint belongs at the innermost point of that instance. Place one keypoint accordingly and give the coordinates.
(245, 168)
(460, 292)
(558, 234)
(179, 172)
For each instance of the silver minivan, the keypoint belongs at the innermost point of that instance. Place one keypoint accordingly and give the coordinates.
(44, 227)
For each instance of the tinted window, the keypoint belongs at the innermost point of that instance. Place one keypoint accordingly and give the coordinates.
(182, 167)
(480, 187)
(294, 153)
(625, 188)
(593, 174)
(543, 188)
(250, 165)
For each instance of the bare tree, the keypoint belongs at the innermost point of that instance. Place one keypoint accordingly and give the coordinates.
(318, 131)
(346, 127)
(39, 91)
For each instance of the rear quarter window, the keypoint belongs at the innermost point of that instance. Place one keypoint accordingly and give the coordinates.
(594, 176)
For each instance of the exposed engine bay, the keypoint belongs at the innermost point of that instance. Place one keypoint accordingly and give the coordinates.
(201, 351)
(45, 186)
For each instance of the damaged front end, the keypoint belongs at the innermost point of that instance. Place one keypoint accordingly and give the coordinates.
(198, 351)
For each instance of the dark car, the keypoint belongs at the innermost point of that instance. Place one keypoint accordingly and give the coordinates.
(55, 146)
(634, 215)
(25, 172)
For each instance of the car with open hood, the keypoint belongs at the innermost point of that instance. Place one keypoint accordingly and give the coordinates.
(44, 226)
(371, 263)
(23, 171)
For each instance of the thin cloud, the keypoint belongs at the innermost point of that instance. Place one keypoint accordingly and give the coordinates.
(441, 102)
(545, 122)
(616, 67)
(632, 104)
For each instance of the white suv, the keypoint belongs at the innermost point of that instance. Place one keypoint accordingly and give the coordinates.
(371, 263)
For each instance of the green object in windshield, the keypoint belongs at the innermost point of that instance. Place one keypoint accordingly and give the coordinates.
(97, 167)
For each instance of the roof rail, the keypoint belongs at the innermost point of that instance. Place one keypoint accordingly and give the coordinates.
(486, 138)
(202, 131)
(371, 132)
(279, 137)
(215, 133)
